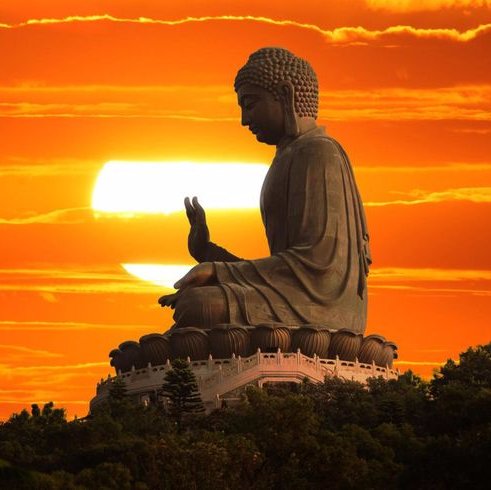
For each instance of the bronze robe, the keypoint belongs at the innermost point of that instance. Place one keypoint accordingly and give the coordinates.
(317, 235)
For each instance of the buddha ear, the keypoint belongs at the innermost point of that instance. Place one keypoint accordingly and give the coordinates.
(287, 97)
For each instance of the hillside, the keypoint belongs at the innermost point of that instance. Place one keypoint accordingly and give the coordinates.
(405, 433)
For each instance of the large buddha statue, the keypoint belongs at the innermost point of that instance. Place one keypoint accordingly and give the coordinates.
(311, 210)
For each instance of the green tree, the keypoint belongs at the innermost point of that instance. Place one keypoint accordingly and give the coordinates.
(181, 389)
(118, 401)
(118, 390)
(105, 475)
(461, 393)
(341, 402)
(472, 370)
(35, 410)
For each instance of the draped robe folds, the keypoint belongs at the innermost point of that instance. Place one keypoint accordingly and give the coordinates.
(318, 239)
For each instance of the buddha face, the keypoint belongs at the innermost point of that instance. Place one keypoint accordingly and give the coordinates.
(264, 116)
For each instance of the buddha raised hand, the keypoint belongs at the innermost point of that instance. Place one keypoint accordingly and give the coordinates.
(199, 244)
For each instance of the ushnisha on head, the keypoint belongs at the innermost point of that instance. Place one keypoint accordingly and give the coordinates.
(278, 94)
(268, 67)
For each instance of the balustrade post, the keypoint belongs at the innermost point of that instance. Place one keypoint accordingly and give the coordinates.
(239, 364)
(279, 357)
(258, 355)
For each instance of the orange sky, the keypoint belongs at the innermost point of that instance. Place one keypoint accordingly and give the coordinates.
(405, 88)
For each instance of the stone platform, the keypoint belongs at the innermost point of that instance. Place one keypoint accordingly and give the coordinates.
(224, 380)
(228, 358)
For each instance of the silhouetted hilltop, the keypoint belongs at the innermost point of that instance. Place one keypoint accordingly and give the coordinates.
(405, 433)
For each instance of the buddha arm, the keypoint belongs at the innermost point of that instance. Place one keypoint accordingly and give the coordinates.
(215, 253)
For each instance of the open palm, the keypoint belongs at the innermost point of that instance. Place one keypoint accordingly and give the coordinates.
(199, 235)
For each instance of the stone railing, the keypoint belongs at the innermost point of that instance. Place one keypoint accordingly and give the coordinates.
(217, 377)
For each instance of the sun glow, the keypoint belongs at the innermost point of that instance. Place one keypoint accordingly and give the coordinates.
(158, 274)
(160, 187)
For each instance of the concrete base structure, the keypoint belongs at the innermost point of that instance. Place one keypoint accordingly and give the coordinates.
(222, 381)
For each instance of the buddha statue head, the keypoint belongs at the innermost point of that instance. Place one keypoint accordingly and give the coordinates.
(278, 95)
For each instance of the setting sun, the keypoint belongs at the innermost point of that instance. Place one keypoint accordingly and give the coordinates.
(158, 274)
(160, 187)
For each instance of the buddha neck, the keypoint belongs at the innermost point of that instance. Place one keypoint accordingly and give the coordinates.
(304, 124)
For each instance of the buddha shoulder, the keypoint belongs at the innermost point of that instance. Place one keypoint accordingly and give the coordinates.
(315, 150)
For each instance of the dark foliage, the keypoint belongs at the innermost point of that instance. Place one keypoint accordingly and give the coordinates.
(407, 434)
